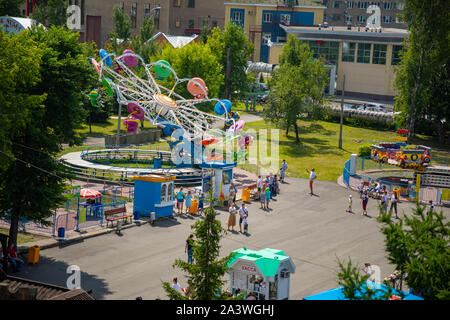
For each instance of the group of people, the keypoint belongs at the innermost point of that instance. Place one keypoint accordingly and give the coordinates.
(12, 257)
(233, 211)
(185, 200)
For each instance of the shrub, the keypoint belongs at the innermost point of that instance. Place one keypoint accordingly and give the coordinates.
(364, 151)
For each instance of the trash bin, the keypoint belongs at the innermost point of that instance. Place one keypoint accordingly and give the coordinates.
(33, 254)
(136, 215)
(194, 206)
(246, 195)
(61, 232)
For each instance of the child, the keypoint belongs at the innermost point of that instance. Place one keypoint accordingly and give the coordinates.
(430, 206)
(262, 199)
(245, 221)
(361, 189)
(201, 199)
(267, 198)
(188, 202)
(350, 202)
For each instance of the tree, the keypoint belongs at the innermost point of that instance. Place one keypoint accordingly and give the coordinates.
(233, 50)
(121, 30)
(193, 60)
(31, 186)
(19, 72)
(51, 12)
(355, 284)
(206, 273)
(297, 87)
(418, 247)
(205, 32)
(422, 78)
(143, 43)
(11, 8)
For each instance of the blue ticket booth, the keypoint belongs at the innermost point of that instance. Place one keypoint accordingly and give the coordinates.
(154, 193)
(218, 176)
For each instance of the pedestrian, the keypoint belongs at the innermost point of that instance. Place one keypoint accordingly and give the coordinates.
(180, 201)
(232, 194)
(430, 206)
(15, 260)
(201, 200)
(262, 199)
(361, 189)
(175, 286)
(231, 222)
(188, 202)
(283, 169)
(350, 202)
(245, 221)
(189, 248)
(243, 211)
(312, 177)
(384, 202)
(394, 200)
(259, 186)
(270, 185)
(364, 200)
(275, 185)
(267, 198)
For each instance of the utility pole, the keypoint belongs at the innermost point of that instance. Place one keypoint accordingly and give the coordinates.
(342, 113)
(228, 75)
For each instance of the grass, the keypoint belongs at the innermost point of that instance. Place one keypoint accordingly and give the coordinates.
(318, 146)
(106, 128)
(24, 237)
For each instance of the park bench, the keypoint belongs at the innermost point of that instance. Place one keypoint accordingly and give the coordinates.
(116, 214)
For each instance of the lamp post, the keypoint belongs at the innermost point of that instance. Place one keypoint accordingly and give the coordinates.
(342, 113)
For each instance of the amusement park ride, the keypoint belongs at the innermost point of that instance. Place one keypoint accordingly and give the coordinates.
(138, 86)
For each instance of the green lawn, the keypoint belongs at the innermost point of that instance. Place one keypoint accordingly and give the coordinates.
(318, 146)
(24, 237)
(106, 128)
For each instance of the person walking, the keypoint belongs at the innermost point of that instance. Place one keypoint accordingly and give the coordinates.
(268, 195)
(259, 186)
(262, 199)
(180, 201)
(364, 200)
(275, 185)
(201, 201)
(243, 211)
(231, 222)
(188, 202)
(350, 202)
(384, 202)
(283, 169)
(245, 221)
(232, 194)
(312, 177)
(189, 248)
(394, 200)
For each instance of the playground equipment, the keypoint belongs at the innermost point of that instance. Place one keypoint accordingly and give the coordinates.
(392, 153)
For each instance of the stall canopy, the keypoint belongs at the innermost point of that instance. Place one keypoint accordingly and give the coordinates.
(89, 193)
(15, 25)
(338, 294)
(268, 260)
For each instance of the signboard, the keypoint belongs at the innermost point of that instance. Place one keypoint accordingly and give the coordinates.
(10, 25)
(248, 268)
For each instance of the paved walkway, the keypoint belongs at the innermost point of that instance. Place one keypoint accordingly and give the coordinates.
(313, 230)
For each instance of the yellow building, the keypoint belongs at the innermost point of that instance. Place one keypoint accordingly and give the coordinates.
(262, 20)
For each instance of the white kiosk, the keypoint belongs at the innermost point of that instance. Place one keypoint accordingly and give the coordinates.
(265, 273)
(218, 176)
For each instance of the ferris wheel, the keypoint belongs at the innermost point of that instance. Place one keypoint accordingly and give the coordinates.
(139, 86)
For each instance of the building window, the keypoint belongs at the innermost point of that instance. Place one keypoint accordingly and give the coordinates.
(379, 54)
(267, 17)
(178, 22)
(170, 192)
(362, 4)
(285, 18)
(396, 50)
(348, 19)
(361, 19)
(387, 19)
(163, 192)
(337, 4)
(329, 50)
(133, 14)
(266, 37)
(363, 53)
(177, 3)
(375, 3)
(336, 17)
(191, 24)
(237, 16)
(388, 6)
(400, 5)
(191, 3)
(348, 51)
(350, 4)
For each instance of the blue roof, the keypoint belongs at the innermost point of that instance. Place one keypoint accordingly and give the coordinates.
(337, 293)
(217, 165)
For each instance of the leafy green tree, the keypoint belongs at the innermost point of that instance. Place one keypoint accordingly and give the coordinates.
(194, 60)
(205, 32)
(422, 77)
(355, 286)
(19, 72)
(51, 12)
(418, 247)
(231, 45)
(143, 44)
(296, 87)
(31, 186)
(121, 30)
(11, 8)
(206, 273)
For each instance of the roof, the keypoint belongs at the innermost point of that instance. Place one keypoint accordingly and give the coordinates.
(14, 24)
(337, 293)
(301, 3)
(217, 165)
(268, 260)
(176, 41)
(342, 33)
(155, 178)
(45, 291)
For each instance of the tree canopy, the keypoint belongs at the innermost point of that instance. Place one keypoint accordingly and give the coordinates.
(51, 12)
(11, 8)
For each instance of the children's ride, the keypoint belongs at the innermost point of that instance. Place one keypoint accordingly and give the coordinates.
(140, 87)
(395, 154)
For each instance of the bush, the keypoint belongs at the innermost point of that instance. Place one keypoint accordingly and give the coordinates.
(364, 151)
